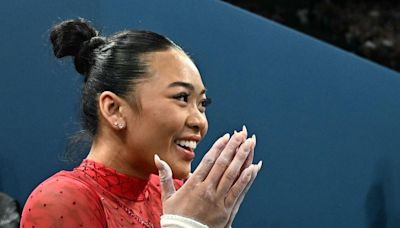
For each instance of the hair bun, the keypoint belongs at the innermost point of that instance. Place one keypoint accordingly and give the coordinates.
(84, 60)
(76, 38)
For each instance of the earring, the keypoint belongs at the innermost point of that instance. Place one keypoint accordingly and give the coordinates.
(120, 125)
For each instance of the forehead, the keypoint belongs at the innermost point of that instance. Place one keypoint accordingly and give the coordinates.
(173, 65)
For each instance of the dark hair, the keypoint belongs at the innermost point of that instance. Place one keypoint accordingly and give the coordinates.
(111, 64)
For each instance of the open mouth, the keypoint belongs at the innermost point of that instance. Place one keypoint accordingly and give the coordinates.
(186, 144)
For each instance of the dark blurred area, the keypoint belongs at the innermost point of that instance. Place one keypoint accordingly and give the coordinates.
(367, 28)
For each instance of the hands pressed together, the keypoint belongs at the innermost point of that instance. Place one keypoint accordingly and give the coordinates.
(213, 193)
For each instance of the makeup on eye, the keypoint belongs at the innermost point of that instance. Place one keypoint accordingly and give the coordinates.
(183, 96)
(204, 104)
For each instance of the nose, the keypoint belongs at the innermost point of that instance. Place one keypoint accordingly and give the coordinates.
(197, 121)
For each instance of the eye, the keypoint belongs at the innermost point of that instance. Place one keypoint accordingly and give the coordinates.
(205, 102)
(182, 97)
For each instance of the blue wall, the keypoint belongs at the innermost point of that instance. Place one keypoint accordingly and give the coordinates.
(327, 122)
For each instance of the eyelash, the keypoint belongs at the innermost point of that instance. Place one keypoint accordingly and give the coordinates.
(185, 97)
(204, 103)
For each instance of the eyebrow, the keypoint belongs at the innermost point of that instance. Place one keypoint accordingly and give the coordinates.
(186, 85)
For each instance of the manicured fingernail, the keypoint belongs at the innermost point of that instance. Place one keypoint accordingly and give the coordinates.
(158, 162)
(156, 157)
(259, 165)
(226, 136)
(244, 129)
(253, 137)
(247, 145)
(234, 132)
(162, 162)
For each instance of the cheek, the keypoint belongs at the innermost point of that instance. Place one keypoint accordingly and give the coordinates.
(168, 120)
(205, 130)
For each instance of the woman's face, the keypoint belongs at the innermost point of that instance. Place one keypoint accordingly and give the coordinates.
(170, 120)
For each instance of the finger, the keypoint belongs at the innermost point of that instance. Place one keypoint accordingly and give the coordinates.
(242, 185)
(239, 200)
(208, 160)
(225, 158)
(246, 164)
(244, 131)
(233, 170)
(244, 192)
(165, 174)
(249, 159)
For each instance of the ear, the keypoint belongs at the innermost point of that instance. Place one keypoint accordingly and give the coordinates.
(110, 106)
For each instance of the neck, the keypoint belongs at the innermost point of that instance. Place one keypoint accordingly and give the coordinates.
(112, 152)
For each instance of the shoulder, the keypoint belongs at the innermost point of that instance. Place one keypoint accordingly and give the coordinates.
(63, 198)
(61, 186)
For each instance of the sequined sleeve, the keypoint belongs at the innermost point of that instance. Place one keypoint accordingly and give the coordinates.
(63, 202)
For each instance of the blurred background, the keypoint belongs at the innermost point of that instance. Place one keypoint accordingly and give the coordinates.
(368, 28)
(327, 121)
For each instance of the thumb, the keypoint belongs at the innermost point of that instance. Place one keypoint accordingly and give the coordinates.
(165, 174)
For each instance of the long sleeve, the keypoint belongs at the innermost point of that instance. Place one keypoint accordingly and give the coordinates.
(176, 221)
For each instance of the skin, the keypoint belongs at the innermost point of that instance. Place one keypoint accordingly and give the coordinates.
(170, 101)
(170, 107)
(219, 183)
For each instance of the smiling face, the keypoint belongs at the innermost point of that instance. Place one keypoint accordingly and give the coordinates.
(170, 119)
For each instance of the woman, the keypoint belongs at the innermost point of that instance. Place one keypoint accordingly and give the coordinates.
(143, 100)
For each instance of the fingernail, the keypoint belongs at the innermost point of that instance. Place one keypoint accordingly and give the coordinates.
(259, 165)
(249, 141)
(244, 129)
(158, 162)
(226, 136)
(254, 139)
(234, 132)
(247, 145)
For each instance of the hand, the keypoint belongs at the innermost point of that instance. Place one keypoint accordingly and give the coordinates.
(239, 201)
(218, 185)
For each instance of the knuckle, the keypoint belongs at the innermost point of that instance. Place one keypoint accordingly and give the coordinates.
(165, 179)
(236, 192)
(219, 146)
(234, 143)
(208, 160)
(222, 162)
(207, 194)
(232, 146)
(224, 217)
(231, 176)
(242, 155)
(237, 139)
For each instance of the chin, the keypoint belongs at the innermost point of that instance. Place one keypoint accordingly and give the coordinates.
(181, 173)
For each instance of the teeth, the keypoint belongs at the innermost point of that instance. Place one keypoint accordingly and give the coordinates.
(191, 144)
